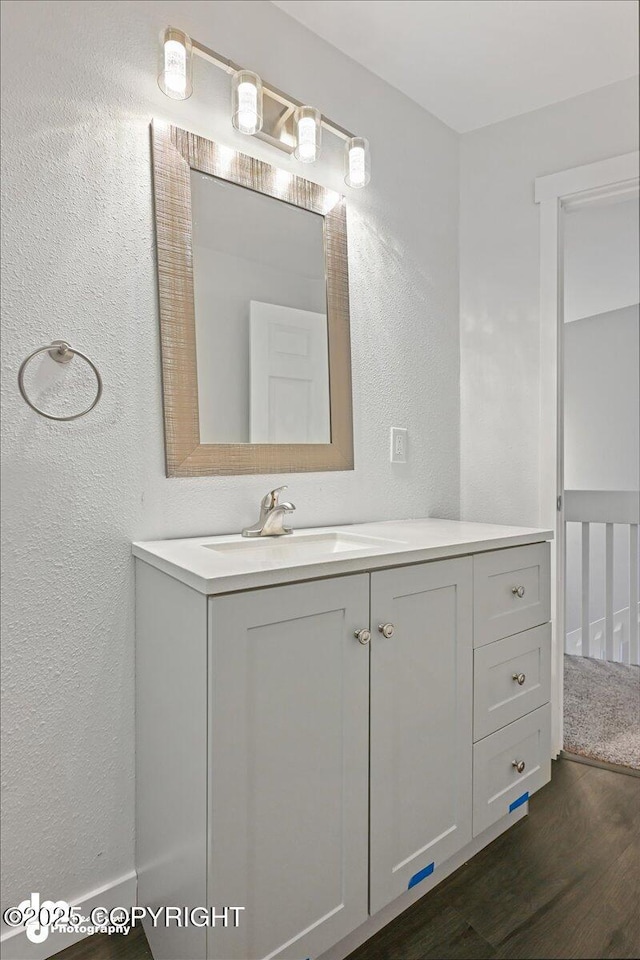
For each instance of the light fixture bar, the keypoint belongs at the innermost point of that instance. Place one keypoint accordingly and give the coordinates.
(279, 107)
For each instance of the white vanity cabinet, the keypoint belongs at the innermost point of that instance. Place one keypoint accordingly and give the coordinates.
(308, 747)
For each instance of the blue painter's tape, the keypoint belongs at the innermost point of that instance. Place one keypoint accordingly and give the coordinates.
(421, 875)
(518, 803)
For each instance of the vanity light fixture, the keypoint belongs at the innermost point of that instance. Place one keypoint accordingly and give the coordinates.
(246, 96)
(357, 165)
(308, 127)
(260, 110)
(174, 78)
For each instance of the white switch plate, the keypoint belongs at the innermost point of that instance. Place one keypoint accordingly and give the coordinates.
(399, 441)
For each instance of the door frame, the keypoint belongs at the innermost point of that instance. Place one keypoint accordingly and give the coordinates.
(556, 193)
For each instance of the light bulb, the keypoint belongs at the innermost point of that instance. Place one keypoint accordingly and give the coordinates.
(175, 66)
(357, 162)
(308, 134)
(247, 102)
(247, 108)
(356, 166)
(307, 140)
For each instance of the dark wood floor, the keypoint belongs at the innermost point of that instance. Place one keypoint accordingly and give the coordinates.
(562, 883)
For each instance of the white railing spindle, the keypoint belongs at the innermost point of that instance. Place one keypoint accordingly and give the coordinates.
(586, 605)
(608, 593)
(634, 640)
(611, 638)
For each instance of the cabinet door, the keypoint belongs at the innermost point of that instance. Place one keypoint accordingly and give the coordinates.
(421, 723)
(288, 790)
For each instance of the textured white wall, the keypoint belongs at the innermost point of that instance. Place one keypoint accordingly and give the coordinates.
(499, 287)
(80, 90)
(602, 402)
(601, 256)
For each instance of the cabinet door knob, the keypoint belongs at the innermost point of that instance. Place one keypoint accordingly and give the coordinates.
(386, 629)
(518, 592)
(519, 678)
(518, 765)
(363, 636)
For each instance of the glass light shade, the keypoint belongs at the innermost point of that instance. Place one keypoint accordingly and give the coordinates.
(246, 102)
(357, 162)
(308, 129)
(176, 58)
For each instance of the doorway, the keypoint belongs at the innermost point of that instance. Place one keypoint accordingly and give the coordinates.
(590, 453)
(601, 467)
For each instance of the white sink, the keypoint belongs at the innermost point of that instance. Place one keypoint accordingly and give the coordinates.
(299, 546)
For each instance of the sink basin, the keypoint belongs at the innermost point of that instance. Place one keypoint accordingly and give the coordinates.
(298, 546)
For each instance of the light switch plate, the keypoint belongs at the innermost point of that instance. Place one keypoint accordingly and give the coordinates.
(399, 442)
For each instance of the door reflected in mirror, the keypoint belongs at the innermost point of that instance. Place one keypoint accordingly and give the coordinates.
(260, 317)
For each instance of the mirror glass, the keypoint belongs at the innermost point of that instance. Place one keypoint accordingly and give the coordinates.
(260, 317)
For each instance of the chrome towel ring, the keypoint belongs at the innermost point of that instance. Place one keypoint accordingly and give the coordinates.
(61, 352)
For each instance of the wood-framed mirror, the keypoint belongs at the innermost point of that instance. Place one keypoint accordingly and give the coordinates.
(254, 313)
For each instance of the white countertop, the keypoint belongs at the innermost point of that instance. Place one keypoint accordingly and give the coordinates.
(201, 564)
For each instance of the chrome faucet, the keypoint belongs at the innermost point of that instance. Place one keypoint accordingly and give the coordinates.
(272, 514)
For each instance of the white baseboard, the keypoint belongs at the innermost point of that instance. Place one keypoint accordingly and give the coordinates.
(14, 944)
(573, 640)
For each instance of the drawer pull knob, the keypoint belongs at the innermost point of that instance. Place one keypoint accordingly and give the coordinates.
(386, 629)
(518, 765)
(363, 636)
(518, 592)
(519, 678)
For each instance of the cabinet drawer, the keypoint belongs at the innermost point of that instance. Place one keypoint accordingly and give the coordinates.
(498, 788)
(511, 678)
(511, 592)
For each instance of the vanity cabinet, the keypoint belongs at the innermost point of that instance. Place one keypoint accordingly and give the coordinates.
(321, 752)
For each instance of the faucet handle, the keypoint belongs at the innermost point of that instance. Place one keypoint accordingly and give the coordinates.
(274, 495)
(270, 500)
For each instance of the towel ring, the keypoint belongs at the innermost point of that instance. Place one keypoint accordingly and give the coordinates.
(61, 352)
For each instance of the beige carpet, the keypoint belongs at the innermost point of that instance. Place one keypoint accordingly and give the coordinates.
(602, 710)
